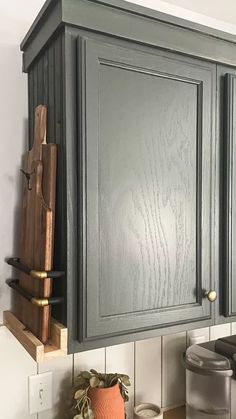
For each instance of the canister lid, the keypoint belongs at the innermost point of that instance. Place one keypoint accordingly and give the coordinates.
(226, 346)
(202, 359)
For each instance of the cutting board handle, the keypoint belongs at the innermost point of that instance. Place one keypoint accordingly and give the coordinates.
(40, 119)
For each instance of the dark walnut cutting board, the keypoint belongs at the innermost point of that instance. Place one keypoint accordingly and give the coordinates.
(37, 227)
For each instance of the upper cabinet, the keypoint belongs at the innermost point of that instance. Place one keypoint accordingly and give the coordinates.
(146, 152)
(145, 224)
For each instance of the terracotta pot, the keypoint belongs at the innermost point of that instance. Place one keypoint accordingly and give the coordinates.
(107, 403)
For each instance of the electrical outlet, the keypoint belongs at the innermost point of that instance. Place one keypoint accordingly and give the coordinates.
(40, 392)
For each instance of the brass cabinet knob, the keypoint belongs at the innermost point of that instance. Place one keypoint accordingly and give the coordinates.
(211, 295)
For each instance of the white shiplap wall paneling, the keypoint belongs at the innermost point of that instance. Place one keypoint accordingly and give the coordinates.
(16, 365)
(148, 371)
(220, 331)
(173, 372)
(62, 378)
(198, 336)
(85, 361)
(120, 358)
(233, 328)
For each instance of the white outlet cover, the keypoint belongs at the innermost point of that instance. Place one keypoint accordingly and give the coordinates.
(40, 392)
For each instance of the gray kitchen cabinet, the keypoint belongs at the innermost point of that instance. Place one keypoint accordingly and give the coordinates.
(146, 151)
(227, 124)
(131, 96)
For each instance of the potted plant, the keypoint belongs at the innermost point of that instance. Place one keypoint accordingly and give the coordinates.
(100, 396)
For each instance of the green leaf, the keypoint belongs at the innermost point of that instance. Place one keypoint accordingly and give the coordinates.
(81, 382)
(125, 380)
(78, 417)
(85, 374)
(79, 394)
(94, 381)
(94, 372)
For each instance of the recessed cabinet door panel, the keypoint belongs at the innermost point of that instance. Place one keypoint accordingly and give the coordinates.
(146, 153)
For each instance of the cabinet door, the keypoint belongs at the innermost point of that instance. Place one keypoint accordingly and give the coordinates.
(145, 220)
(228, 215)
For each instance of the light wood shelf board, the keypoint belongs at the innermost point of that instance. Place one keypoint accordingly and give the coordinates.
(56, 347)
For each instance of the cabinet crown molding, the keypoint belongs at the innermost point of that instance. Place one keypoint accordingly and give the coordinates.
(128, 21)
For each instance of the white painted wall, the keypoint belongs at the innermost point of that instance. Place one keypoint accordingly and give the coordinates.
(147, 362)
(218, 9)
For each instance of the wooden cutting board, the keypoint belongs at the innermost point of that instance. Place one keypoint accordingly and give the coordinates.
(37, 226)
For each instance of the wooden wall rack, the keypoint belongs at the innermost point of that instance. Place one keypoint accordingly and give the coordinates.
(56, 346)
(31, 323)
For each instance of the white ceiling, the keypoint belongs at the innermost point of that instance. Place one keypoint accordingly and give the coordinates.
(217, 14)
(218, 9)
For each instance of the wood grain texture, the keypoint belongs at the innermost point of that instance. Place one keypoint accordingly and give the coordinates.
(56, 347)
(37, 226)
(147, 202)
(32, 345)
(148, 211)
